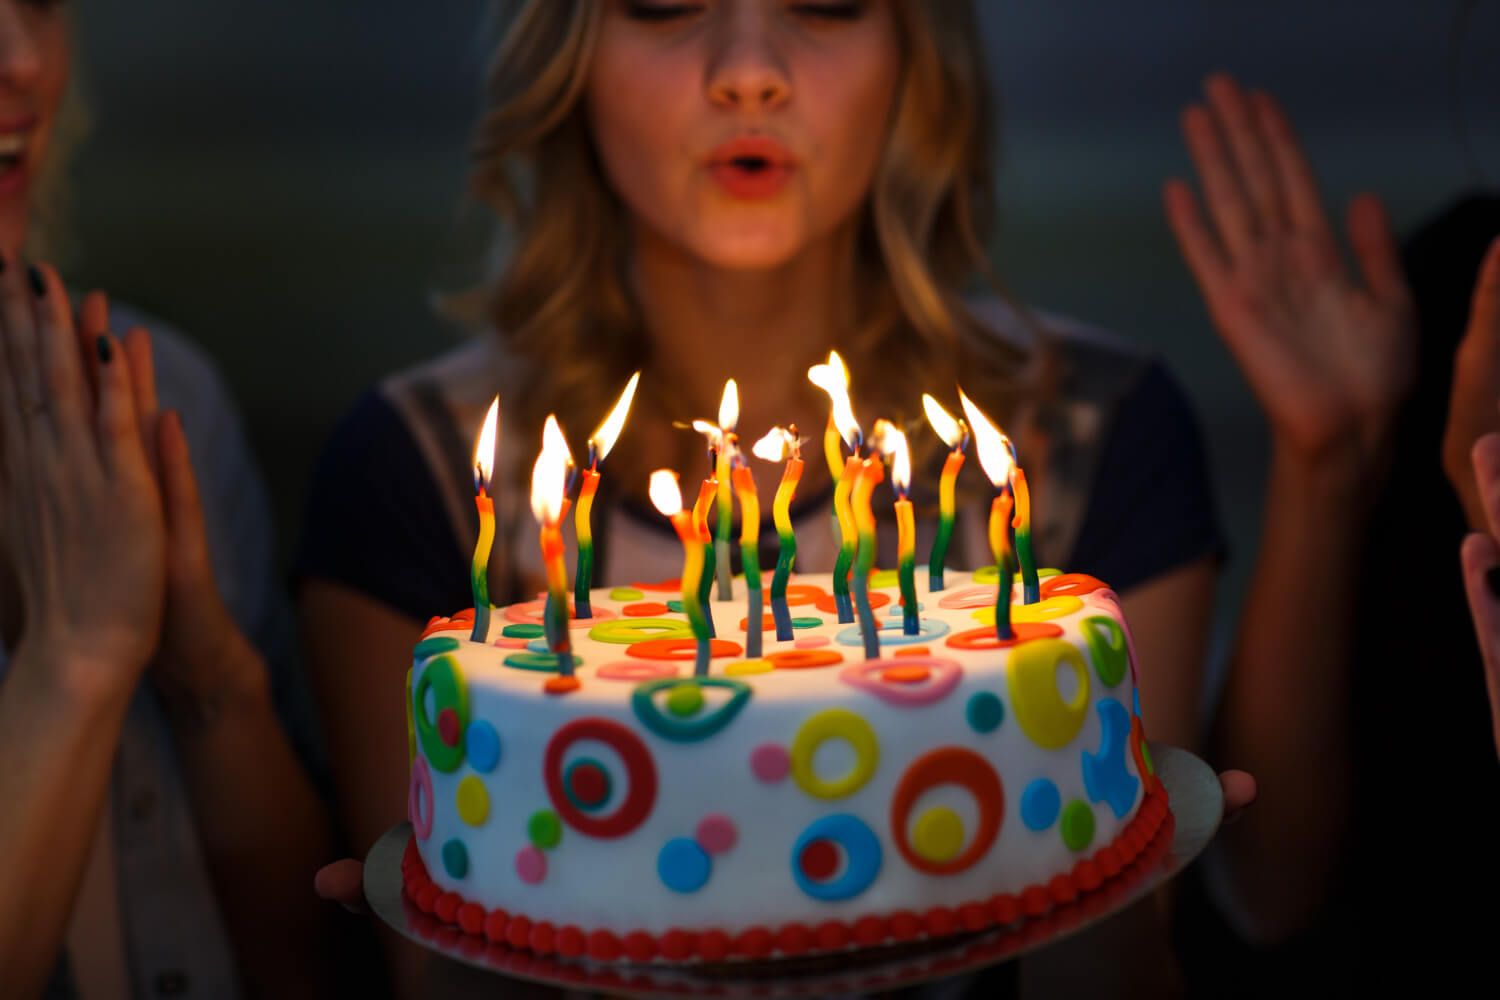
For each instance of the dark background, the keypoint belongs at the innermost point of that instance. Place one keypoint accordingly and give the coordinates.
(281, 178)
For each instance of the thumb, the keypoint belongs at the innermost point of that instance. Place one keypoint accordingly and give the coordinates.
(187, 544)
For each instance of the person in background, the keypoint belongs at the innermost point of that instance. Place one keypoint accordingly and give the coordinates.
(158, 824)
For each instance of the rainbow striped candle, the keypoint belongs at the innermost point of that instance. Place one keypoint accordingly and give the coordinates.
(1031, 585)
(549, 477)
(997, 460)
(667, 497)
(729, 416)
(1000, 546)
(781, 444)
(833, 378)
(705, 578)
(600, 444)
(869, 474)
(955, 435)
(744, 488)
(891, 441)
(833, 453)
(479, 569)
(849, 538)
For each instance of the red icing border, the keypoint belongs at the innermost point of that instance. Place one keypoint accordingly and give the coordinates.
(1141, 843)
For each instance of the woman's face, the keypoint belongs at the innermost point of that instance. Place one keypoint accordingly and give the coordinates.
(34, 54)
(743, 130)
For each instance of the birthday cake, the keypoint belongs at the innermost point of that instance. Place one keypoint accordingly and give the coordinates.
(807, 800)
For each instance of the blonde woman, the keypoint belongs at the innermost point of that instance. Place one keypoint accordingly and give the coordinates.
(156, 826)
(732, 188)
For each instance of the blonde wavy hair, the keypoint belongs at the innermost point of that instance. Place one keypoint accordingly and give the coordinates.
(562, 300)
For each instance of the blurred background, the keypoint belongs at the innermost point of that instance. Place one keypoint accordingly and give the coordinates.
(281, 179)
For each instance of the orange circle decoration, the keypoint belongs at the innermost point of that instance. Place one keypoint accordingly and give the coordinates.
(645, 609)
(1072, 585)
(798, 594)
(681, 649)
(805, 659)
(984, 638)
(949, 766)
(660, 586)
(878, 600)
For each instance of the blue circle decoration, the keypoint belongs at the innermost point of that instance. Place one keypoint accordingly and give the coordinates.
(456, 858)
(482, 744)
(696, 727)
(891, 633)
(894, 610)
(861, 853)
(682, 865)
(1040, 804)
(539, 646)
(985, 712)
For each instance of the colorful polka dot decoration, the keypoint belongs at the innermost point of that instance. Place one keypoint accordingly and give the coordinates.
(587, 784)
(419, 799)
(1040, 804)
(892, 635)
(1072, 585)
(947, 766)
(683, 866)
(531, 865)
(1077, 825)
(1105, 776)
(742, 668)
(523, 631)
(546, 663)
(1047, 609)
(768, 623)
(455, 859)
(1107, 648)
(836, 858)
(805, 659)
(636, 671)
(825, 602)
(544, 829)
(810, 641)
(834, 724)
(531, 612)
(626, 594)
(482, 744)
(472, 801)
(684, 726)
(682, 649)
(443, 679)
(909, 682)
(640, 775)
(985, 638)
(645, 609)
(434, 645)
(716, 833)
(628, 631)
(770, 763)
(985, 711)
(1049, 720)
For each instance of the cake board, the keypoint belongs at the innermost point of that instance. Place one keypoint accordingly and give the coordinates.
(1197, 805)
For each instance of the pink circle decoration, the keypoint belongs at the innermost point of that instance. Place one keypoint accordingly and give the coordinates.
(511, 642)
(531, 865)
(867, 677)
(770, 763)
(978, 596)
(530, 613)
(717, 833)
(419, 798)
(637, 670)
(811, 641)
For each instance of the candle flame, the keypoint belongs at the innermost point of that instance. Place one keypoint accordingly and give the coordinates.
(712, 431)
(950, 429)
(729, 407)
(549, 476)
(833, 378)
(995, 455)
(666, 495)
(484, 447)
(777, 444)
(891, 441)
(608, 432)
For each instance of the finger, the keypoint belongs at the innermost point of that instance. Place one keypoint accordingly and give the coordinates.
(1375, 249)
(1484, 306)
(12, 419)
(64, 381)
(18, 288)
(1223, 191)
(1485, 457)
(1204, 256)
(1295, 178)
(139, 355)
(117, 427)
(342, 882)
(1240, 792)
(186, 538)
(1480, 557)
(93, 321)
(1251, 149)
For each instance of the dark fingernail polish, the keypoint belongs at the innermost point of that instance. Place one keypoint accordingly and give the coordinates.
(38, 285)
(106, 349)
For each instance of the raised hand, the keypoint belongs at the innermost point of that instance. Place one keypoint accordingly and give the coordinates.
(82, 514)
(1329, 354)
(1476, 386)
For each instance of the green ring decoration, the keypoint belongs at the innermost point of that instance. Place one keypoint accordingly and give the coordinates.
(629, 631)
(700, 726)
(442, 676)
(545, 663)
(807, 621)
(433, 645)
(523, 631)
(1107, 648)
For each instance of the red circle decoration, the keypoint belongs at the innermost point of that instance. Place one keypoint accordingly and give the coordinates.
(639, 769)
(681, 649)
(661, 586)
(819, 860)
(1071, 584)
(448, 727)
(645, 609)
(805, 659)
(878, 600)
(949, 766)
(984, 637)
(461, 622)
(590, 785)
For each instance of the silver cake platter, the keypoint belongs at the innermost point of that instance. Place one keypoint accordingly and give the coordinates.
(468, 965)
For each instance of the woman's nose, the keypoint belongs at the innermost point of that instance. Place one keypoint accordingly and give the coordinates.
(20, 56)
(746, 69)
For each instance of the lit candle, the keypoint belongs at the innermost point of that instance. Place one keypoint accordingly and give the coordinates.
(729, 416)
(549, 477)
(870, 473)
(706, 494)
(479, 570)
(833, 378)
(744, 488)
(833, 453)
(995, 459)
(1031, 585)
(955, 435)
(893, 444)
(779, 444)
(600, 443)
(667, 497)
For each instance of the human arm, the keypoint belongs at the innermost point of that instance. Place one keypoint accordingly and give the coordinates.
(1329, 356)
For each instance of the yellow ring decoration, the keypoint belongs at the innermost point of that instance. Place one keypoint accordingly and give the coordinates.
(830, 724)
(1043, 716)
